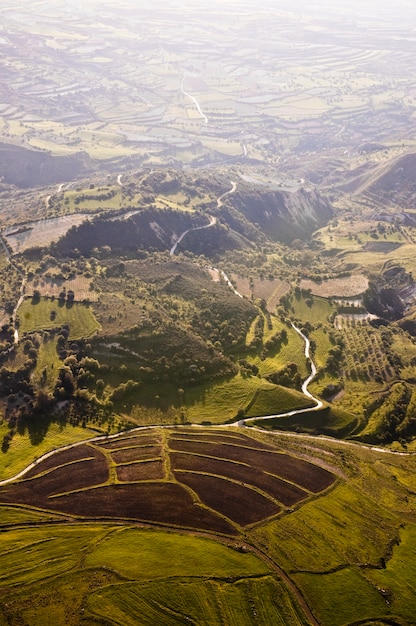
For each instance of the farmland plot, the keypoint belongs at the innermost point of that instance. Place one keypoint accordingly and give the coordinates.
(41, 233)
(235, 480)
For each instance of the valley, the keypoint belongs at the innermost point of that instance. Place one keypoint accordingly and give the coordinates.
(207, 313)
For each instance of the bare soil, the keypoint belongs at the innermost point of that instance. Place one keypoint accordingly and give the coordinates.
(151, 470)
(237, 502)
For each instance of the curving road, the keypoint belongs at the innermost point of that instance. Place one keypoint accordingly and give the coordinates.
(195, 101)
(212, 222)
(227, 193)
(22, 288)
(305, 391)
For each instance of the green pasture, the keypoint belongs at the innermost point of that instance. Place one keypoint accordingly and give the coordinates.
(313, 309)
(48, 361)
(355, 523)
(204, 602)
(327, 420)
(358, 394)
(291, 352)
(404, 346)
(343, 597)
(323, 345)
(13, 516)
(46, 314)
(275, 399)
(91, 204)
(219, 403)
(216, 403)
(29, 555)
(334, 547)
(398, 578)
(49, 145)
(36, 440)
(351, 594)
(161, 578)
(163, 555)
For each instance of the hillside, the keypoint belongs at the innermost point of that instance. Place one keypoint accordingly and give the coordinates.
(31, 168)
(207, 313)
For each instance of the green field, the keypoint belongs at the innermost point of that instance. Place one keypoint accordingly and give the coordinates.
(48, 361)
(343, 597)
(350, 551)
(205, 602)
(217, 582)
(31, 444)
(222, 402)
(46, 314)
(327, 420)
(165, 554)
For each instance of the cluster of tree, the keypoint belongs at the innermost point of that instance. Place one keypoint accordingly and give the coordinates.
(288, 376)
(274, 343)
(335, 358)
(98, 197)
(248, 369)
(6, 339)
(393, 415)
(258, 333)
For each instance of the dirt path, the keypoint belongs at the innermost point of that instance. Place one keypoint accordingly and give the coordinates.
(22, 288)
(195, 101)
(212, 222)
(227, 193)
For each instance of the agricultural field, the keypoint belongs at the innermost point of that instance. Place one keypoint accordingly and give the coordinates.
(40, 234)
(337, 287)
(51, 286)
(271, 290)
(48, 313)
(207, 314)
(110, 579)
(308, 485)
(133, 103)
(142, 477)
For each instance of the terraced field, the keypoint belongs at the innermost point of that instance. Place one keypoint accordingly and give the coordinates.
(218, 480)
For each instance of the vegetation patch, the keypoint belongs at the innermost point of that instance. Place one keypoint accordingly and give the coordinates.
(45, 314)
(354, 598)
(206, 602)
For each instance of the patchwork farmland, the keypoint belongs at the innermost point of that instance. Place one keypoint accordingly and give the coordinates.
(216, 480)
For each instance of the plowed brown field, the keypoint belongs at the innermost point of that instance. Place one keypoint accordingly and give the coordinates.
(214, 480)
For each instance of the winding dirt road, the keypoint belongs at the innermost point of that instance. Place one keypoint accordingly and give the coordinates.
(195, 101)
(212, 222)
(22, 288)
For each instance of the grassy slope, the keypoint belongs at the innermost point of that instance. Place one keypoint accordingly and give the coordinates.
(204, 602)
(22, 452)
(335, 546)
(216, 581)
(221, 402)
(37, 316)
